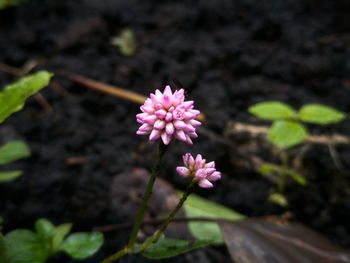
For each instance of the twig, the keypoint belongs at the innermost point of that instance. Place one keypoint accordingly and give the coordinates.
(108, 89)
(254, 131)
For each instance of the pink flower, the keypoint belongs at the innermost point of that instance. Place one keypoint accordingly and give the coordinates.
(202, 172)
(167, 115)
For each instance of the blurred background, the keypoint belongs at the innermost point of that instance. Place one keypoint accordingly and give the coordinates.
(228, 55)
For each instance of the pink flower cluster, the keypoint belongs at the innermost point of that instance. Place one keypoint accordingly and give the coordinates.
(167, 115)
(202, 172)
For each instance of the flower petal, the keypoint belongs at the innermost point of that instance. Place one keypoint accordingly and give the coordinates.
(205, 183)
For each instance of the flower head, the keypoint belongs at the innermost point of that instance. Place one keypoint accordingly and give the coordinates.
(201, 171)
(167, 115)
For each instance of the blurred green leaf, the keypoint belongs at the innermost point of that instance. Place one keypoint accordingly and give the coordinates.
(286, 134)
(320, 114)
(13, 150)
(196, 206)
(126, 42)
(13, 97)
(166, 248)
(82, 245)
(6, 176)
(45, 229)
(25, 246)
(3, 252)
(297, 177)
(270, 168)
(8, 3)
(272, 110)
(60, 233)
(278, 199)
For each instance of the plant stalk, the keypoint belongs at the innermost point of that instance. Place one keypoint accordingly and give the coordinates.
(155, 237)
(283, 175)
(147, 195)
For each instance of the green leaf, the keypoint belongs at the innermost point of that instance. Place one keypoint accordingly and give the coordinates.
(278, 199)
(286, 134)
(166, 248)
(297, 177)
(196, 206)
(12, 151)
(320, 114)
(126, 42)
(3, 252)
(13, 97)
(24, 246)
(272, 110)
(8, 3)
(82, 245)
(60, 233)
(7, 176)
(270, 169)
(45, 229)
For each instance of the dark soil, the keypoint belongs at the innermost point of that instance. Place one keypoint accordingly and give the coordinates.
(227, 54)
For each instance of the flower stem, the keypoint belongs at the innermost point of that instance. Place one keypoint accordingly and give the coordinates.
(147, 195)
(155, 237)
(155, 172)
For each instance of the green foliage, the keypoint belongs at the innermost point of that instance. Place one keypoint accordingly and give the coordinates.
(13, 97)
(126, 42)
(196, 206)
(270, 168)
(286, 134)
(82, 245)
(26, 246)
(166, 248)
(320, 114)
(13, 151)
(6, 176)
(286, 130)
(279, 199)
(8, 3)
(272, 110)
(3, 252)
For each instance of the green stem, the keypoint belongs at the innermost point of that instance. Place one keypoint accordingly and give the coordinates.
(147, 195)
(155, 237)
(283, 175)
(121, 253)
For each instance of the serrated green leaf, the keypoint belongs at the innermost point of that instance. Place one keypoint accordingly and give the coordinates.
(13, 150)
(13, 97)
(272, 110)
(320, 114)
(6, 176)
(25, 246)
(286, 134)
(196, 206)
(60, 233)
(82, 245)
(45, 229)
(167, 248)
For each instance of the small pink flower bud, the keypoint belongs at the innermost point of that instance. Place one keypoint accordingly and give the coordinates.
(203, 173)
